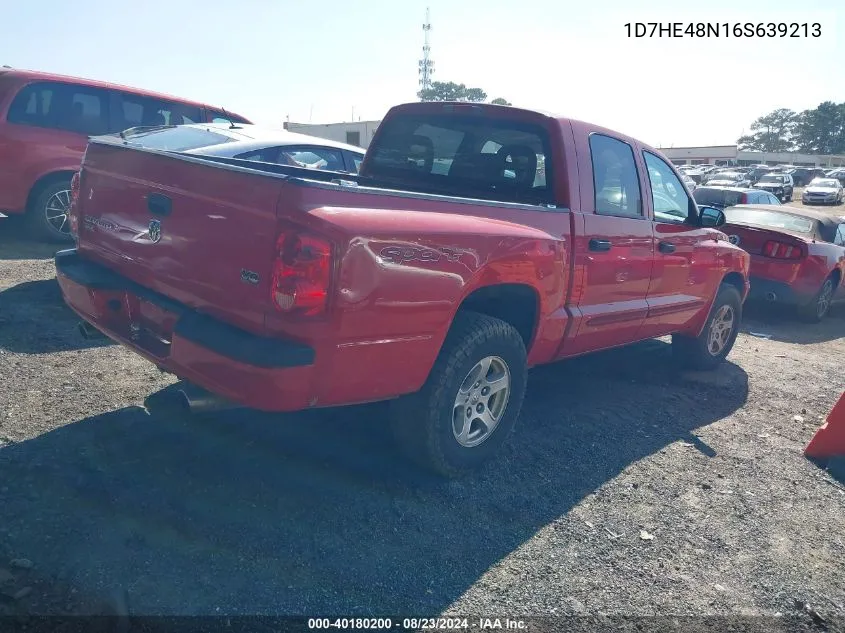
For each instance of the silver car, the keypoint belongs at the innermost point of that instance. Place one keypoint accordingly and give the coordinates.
(823, 191)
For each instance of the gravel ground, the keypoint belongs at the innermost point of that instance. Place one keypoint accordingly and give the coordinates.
(629, 488)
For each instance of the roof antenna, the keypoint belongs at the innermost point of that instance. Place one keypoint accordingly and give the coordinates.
(232, 125)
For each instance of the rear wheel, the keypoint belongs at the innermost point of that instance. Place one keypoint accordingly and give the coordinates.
(47, 215)
(817, 309)
(470, 402)
(711, 347)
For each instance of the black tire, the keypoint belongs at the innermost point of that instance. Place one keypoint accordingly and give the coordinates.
(422, 423)
(819, 307)
(37, 213)
(695, 352)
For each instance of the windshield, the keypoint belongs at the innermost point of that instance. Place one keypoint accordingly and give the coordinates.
(727, 175)
(176, 139)
(769, 219)
(775, 179)
(824, 182)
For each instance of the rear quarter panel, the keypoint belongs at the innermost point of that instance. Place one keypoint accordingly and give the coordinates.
(403, 268)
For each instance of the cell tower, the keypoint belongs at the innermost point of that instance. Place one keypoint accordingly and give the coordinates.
(426, 65)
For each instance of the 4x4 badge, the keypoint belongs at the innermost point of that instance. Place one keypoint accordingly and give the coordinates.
(155, 231)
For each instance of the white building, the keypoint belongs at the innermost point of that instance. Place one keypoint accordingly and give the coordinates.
(358, 133)
(732, 155)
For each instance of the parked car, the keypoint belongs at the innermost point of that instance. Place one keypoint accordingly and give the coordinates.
(689, 182)
(778, 184)
(823, 191)
(255, 143)
(45, 121)
(755, 173)
(801, 176)
(728, 179)
(282, 288)
(797, 255)
(721, 197)
(839, 174)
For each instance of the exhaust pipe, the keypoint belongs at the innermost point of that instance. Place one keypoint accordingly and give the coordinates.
(198, 400)
(771, 296)
(185, 398)
(88, 331)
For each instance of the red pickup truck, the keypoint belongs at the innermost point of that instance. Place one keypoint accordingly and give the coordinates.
(476, 242)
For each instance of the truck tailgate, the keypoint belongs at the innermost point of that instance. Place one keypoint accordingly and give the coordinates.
(199, 235)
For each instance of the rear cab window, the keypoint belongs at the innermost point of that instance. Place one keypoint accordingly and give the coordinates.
(464, 156)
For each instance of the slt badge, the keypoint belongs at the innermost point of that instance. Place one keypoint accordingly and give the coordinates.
(154, 231)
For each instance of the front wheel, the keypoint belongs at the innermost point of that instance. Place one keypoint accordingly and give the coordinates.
(711, 347)
(817, 309)
(471, 400)
(48, 214)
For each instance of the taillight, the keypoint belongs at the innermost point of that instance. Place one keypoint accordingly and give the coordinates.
(301, 273)
(743, 198)
(782, 250)
(73, 217)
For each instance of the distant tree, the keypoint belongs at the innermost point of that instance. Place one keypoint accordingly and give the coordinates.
(500, 101)
(771, 133)
(451, 91)
(822, 130)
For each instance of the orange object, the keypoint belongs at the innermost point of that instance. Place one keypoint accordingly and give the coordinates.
(829, 440)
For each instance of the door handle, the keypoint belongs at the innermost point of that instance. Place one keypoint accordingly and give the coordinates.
(666, 247)
(159, 204)
(599, 245)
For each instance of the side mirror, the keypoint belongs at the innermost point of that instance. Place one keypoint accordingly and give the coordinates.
(711, 217)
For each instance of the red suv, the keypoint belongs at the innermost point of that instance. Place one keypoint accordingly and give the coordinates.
(45, 122)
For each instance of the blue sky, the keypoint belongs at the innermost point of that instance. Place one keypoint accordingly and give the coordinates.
(320, 61)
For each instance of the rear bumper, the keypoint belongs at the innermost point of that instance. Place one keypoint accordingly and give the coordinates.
(265, 373)
(763, 289)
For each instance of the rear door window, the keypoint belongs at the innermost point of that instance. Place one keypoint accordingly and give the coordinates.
(139, 111)
(64, 106)
(466, 156)
(615, 180)
(353, 162)
(324, 158)
(219, 117)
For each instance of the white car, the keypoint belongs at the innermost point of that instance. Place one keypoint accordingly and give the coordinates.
(252, 142)
(728, 179)
(823, 191)
(689, 182)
